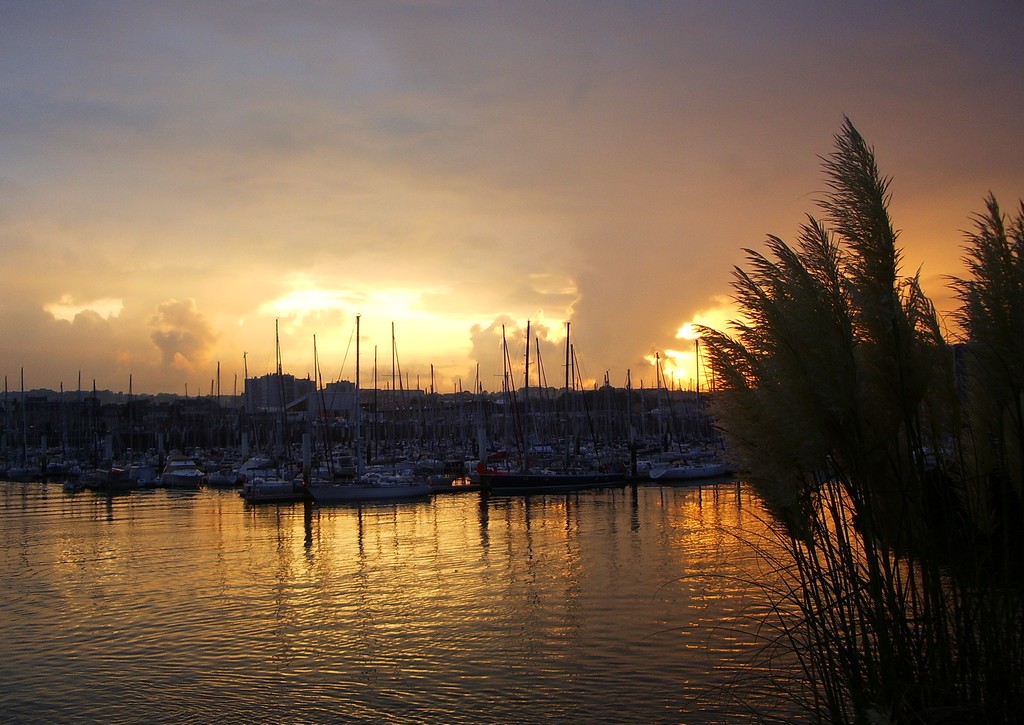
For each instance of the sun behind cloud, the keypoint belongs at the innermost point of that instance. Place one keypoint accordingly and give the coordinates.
(684, 368)
(302, 303)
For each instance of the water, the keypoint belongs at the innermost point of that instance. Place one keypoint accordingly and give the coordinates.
(619, 605)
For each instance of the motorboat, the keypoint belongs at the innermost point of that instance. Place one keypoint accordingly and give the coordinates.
(181, 471)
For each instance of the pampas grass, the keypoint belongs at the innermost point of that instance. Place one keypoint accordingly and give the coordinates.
(893, 473)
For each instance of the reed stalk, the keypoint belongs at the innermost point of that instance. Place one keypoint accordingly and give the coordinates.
(891, 461)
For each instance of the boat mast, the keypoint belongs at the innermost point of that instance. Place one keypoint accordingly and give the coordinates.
(375, 417)
(93, 432)
(513, 403)
(568, 427)
(657, 397)
(131, 421)
(248, 424)
(360, 468)
(7, 424)
(393, 427)
(63, 426)
(320, 423)
(526, 376)
(24, 423)
(629, 424)
(699, 421)
(280, 384)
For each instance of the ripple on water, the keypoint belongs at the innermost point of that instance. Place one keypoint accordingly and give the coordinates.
(609, 606)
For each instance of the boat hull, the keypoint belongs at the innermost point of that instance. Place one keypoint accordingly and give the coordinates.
(182, 480)
(688, 472)
(547, 482)
(272, 491)
(353, 492)
(109, 480)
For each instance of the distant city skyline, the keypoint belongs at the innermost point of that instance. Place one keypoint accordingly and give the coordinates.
(177, 178)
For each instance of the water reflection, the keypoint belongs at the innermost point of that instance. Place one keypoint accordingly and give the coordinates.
(620, 605)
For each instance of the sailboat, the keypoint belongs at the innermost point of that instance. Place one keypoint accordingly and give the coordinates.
(269, 479)
(688, 469)
(691, 463)
(21, 471)
(264, 481)
(366, 486)
(550, 476)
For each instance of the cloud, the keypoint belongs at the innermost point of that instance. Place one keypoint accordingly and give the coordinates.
(67, 309)
(447, 170)
(546, 354)
(182, 333)
(326, 307)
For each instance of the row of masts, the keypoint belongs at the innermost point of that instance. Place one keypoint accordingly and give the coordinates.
(569, 416)
(573, 424)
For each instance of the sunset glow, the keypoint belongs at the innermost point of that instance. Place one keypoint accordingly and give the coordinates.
(178, 180)
(67, 309)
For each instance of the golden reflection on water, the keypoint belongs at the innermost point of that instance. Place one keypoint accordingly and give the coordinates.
(619, 605)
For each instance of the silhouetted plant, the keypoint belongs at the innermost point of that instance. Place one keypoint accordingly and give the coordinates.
(840, 402)
(992, 317)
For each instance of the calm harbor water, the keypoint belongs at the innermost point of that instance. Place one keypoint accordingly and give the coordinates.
(619, 605)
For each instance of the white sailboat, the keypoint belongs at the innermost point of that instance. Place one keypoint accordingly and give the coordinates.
(571, 473)
(691, 464)
(271, 479)
(366, 486)
(265, 480)
(688, 470)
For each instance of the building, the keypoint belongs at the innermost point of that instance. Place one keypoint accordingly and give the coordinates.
(275, 391)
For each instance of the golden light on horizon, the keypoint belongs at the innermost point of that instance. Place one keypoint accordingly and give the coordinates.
(688, 332)
(302, 303)
(321, 188)
(674, 368)
(680, 368)
(389, 316)
(717, 317)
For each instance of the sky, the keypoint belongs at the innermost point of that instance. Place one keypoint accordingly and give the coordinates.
(189, 187)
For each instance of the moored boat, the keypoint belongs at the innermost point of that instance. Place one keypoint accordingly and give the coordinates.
(688, 470)
(108, 479)
(547, 481)
(272, 490)
(268, 480)
(146, 474)
(73, 485)
(180, 471)
(375, 485)
(369, 488)
(538, 466)
(19, 474)
(449, 475)
(225, 476)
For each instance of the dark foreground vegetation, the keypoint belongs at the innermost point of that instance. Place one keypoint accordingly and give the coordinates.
(890, 458)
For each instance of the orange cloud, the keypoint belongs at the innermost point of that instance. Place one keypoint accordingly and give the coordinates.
(182, 333)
